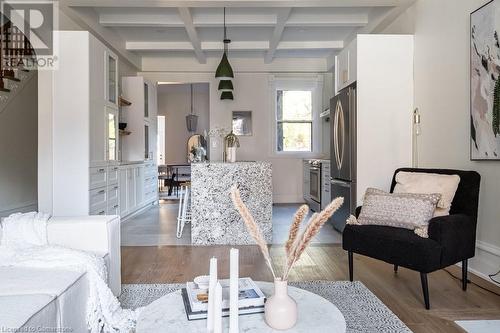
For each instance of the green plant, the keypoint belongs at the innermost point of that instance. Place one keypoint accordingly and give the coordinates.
(496, 108)
(232, 140)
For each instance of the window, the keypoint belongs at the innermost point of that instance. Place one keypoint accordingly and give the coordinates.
(294, 117)
(296, 126)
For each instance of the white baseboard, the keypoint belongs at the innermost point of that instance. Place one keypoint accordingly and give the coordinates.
(22, 207)
(486, 261)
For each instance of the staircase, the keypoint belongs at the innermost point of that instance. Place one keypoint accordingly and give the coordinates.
(14, 48)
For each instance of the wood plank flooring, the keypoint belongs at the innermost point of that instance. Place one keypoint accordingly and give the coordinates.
(401, 292)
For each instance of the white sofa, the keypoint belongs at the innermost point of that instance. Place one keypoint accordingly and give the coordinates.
(49, 300)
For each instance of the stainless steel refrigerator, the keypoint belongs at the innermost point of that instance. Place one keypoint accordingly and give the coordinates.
(343, 153)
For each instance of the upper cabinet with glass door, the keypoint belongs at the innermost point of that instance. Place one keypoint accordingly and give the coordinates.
(111, 85)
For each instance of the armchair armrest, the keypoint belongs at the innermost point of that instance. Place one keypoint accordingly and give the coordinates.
(96, 234)
(456, 234)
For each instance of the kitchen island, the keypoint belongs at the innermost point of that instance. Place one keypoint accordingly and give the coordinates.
(214, 220)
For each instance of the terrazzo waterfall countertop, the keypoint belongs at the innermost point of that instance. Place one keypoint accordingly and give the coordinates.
(214, 220)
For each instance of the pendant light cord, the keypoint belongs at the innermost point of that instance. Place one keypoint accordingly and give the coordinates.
(225, 41)
(225, 35)
(191, 98)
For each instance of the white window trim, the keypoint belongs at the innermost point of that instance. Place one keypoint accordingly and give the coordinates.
(298, 82)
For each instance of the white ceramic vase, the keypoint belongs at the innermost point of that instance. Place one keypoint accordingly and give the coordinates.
(231, 154)
(280, 309)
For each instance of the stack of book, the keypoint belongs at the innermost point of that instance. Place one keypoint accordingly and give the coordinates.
(251, 299)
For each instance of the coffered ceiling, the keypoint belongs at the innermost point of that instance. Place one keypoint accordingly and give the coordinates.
(258, 29)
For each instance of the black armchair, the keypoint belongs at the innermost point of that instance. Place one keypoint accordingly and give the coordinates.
(451, 239)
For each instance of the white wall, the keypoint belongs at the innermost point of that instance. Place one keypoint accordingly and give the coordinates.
(174, 102)
(18, 151)
(252, 92)
(442, 94)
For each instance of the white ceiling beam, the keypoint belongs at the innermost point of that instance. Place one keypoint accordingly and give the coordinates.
(202, 21)
(231, 3)
(235, 20)
(278, 31)
(159, 46)
(310, 45)
(234, 46)
(187, 18)
(327, 20)
(140, 20)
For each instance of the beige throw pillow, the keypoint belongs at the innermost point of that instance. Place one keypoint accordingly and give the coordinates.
(421, 182)
(401, 210)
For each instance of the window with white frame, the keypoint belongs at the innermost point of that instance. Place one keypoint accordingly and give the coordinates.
(296, 104)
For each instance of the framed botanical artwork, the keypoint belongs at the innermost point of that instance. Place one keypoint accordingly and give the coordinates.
(485, 82)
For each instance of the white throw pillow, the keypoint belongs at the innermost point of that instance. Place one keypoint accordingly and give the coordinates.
(25, 229)
(428, 183)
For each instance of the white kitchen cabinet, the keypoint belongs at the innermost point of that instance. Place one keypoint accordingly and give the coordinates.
(131, 191)
(122, 179)
(346, 67)
(84, 127)
(111, 78)
(137, 188)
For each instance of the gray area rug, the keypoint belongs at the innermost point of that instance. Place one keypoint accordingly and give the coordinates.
(362, 310)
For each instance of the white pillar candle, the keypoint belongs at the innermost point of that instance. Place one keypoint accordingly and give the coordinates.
(233, 290)
(211, 294)
(218, 309)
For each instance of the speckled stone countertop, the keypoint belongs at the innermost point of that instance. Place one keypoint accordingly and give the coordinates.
(214, 220)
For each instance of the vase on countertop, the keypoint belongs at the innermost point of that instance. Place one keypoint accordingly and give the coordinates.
(280, 309)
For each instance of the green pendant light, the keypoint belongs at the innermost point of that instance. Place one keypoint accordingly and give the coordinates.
(224, 70)
(226, 95)
(226, 85)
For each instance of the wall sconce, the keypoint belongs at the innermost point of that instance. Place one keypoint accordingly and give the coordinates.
(417, 130)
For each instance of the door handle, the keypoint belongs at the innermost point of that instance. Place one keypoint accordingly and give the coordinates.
(338, 111)
(339, 183)
(342, 138)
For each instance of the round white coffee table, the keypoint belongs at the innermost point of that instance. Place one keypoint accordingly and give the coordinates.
(316, 315)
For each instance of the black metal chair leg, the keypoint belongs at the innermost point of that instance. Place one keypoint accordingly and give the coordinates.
(464, 275)
(396, 268)
(425, 289)
(350, 256)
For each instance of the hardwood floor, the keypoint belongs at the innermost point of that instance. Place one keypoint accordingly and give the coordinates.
(401, 292)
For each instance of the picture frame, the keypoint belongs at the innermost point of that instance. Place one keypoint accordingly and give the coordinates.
(485, 83)
(242, 123)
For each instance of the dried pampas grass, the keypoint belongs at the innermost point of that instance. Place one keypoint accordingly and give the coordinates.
(312, 229)
(295, 245)
(295, 227)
